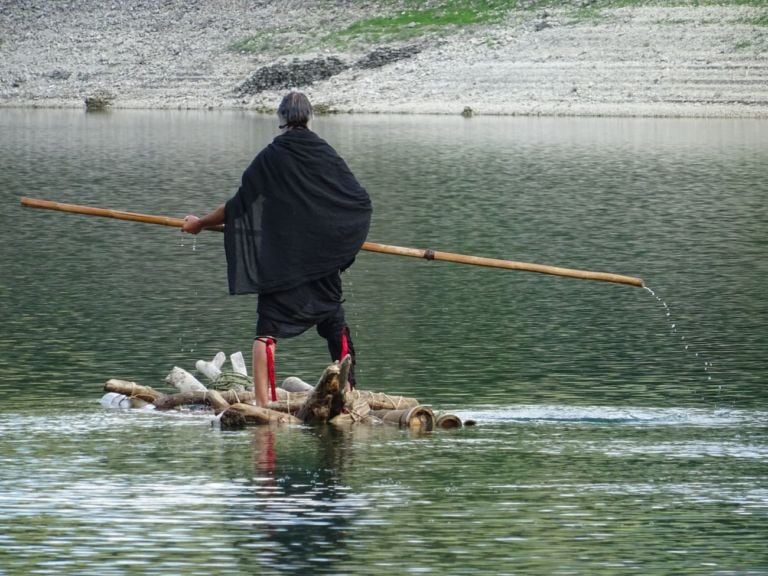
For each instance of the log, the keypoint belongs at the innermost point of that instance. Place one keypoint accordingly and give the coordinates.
(259, 415)
(448, 421)
(327, 398)
(345, 420)
(293, 397)
(291, 402)
(170, 401)
(288, 402)
(238, 397)
(327, 402)
(355, 411)
(418, 418)
(236, 416)
(376, 400)
(382, 401)
(216, 400)
(132, 390)
(192, 391)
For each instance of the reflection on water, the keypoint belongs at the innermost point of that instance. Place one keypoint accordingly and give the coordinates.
(593, 488)
(616, 415)
(617, 431)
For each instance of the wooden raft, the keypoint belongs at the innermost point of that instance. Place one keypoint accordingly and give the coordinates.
(328, 402)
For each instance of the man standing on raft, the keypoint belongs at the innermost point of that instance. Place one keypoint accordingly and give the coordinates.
(297, 221)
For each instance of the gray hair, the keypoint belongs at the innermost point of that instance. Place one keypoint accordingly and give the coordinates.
(294, 110)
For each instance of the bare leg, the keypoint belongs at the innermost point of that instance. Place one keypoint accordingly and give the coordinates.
(260, 373)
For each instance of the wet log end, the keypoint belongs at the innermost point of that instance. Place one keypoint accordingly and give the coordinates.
(448, 421)
(132, 390)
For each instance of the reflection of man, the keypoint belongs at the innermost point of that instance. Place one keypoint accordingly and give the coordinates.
(298, 220)
(303, 510)
(264, 451)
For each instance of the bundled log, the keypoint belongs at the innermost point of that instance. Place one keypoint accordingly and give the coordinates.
(169, 401)
(132, 390)
(355, 411)
(256, 415)
(330, 401)
(288, 402)
(382, 401)
(418, 418)
(239, 415)
(448, 421)
(292, 400)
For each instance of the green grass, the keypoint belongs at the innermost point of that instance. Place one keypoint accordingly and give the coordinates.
(420, 18)
(761, 21)
(448, 14)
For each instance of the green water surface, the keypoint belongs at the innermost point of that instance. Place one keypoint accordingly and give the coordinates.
(619, 431)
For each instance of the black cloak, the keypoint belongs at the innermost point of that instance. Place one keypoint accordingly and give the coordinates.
(299, 215)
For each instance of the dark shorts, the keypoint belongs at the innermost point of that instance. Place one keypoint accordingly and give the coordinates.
(292, 312)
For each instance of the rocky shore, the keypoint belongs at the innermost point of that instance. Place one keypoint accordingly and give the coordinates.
(566, 59)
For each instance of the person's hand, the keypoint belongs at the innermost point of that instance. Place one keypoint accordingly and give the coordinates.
(191, 225)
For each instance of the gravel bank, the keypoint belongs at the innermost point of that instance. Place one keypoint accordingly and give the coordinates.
(642, 61)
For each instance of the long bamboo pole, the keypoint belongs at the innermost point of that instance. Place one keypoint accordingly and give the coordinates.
(368, 246)
(106, 213)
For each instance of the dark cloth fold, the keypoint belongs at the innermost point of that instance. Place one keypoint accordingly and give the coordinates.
(288, 313)
(299, 215)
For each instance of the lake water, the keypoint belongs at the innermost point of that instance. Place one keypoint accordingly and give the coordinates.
(618, 431)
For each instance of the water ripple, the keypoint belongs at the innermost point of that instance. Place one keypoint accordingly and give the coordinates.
(615, 415)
